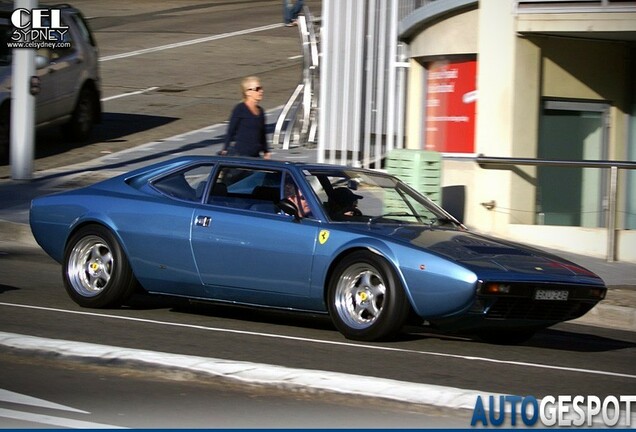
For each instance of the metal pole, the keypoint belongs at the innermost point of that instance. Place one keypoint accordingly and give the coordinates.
(391, 93)
(22, 107)
(325, 44)
(611, 217)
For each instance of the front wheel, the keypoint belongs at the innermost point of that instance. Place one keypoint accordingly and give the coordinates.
(96, 272)
(366, 300)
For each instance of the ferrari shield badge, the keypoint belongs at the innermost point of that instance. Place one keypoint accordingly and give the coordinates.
(323, 236)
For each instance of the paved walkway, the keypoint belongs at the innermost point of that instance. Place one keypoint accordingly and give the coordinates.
(617, 311)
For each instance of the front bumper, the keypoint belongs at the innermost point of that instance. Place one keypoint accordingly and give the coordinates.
(518, 305)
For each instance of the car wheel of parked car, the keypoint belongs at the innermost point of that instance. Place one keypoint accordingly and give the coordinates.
(96, 271)
(79, 127)
(366, 300)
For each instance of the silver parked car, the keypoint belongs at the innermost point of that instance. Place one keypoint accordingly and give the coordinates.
(69, 76)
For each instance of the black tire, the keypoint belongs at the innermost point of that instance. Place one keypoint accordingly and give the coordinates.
(78, 129)
(365, 298)
(96, 272)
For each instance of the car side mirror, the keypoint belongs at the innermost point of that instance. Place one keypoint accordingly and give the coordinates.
(289, 208)
(41, 61)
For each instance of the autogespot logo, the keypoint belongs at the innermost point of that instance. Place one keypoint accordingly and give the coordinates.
(561, 411)
(38, 28)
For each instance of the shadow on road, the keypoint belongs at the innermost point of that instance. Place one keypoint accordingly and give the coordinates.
(113, 127)
(51, 141)
(564, 340)
(142, 301)
(553, 339)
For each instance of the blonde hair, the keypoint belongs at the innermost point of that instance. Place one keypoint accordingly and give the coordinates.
(245, 84)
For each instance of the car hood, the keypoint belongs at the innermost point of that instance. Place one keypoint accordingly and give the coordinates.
(487, 256)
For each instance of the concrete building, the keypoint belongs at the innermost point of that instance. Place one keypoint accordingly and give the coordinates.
(530, 79)
(547, 80)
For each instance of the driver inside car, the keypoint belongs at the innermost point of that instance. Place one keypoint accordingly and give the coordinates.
(343, 203)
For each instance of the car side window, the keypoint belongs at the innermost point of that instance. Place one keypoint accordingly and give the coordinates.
(189, 184)
(65, 45)
(254, 189)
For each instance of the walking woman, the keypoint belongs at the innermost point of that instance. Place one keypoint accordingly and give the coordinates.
(247, 123)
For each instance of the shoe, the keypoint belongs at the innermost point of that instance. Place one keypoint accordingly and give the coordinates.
(290, 25)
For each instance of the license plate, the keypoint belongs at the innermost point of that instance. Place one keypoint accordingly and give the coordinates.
(547, 294)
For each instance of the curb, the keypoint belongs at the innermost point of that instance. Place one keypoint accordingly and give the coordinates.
(317, 381)
(258, 373)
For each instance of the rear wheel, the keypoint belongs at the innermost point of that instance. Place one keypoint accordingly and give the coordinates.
(96, 272)
(365, 298)
(79, 127)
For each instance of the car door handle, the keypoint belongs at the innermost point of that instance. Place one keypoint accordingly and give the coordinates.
(203, 221)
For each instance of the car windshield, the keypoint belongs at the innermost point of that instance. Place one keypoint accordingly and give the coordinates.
(365, 197)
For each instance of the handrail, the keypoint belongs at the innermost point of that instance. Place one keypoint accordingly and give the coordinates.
(297, 120)
(487, 162)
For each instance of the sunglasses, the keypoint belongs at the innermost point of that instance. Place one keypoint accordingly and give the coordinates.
(259, 88)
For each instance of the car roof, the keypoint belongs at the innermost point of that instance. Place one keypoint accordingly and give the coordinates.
(263, 162)
(171, 165)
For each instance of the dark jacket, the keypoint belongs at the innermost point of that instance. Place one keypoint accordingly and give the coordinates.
(247, 131)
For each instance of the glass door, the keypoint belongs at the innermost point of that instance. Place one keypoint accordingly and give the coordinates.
(575, 131)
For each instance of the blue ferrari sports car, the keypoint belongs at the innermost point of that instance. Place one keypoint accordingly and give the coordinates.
(358, 245)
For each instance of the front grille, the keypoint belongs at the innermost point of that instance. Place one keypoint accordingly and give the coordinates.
(524, 308)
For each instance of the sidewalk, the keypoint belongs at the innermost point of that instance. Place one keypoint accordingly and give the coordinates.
(618, 310)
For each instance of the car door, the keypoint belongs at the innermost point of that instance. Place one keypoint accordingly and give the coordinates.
(157, 231)
(46, 99)
(62, 76)
(249, 252)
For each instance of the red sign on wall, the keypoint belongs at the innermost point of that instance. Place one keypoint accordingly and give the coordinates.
(451, 99)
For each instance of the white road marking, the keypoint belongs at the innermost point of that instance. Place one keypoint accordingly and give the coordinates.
(179, 45)
(189, 42)
(13, 397)
(129, 94)
(325, 342)
(53, 421)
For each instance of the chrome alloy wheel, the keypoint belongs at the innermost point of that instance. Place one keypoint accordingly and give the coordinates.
(359, 296)
(90, 266)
